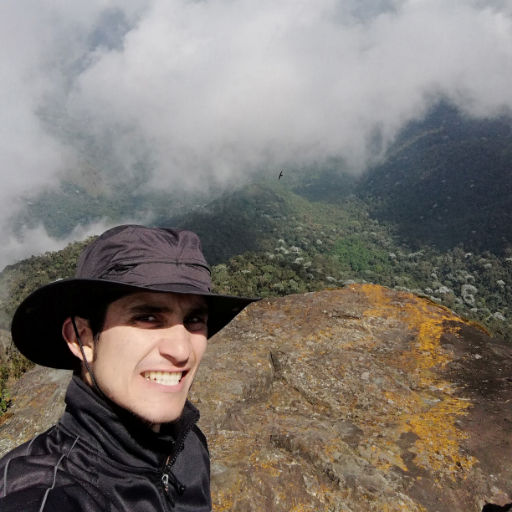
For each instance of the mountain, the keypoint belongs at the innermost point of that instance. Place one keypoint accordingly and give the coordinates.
(447, 182)
(431, 218)
(81, 200)
(319, 227)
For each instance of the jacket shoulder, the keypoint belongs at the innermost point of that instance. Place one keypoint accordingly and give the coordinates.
(64, 498)
(38, 476)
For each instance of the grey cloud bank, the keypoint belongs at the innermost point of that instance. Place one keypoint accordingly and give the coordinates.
(216, 88)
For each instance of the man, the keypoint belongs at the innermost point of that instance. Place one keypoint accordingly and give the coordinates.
(133, 325)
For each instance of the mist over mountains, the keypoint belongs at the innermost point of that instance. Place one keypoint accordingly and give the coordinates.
(391, 121)
(190, 96)
(444, 182)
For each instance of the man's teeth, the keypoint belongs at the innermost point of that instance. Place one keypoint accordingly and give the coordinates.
(165, 378)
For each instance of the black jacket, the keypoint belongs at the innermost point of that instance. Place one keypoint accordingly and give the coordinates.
(98, 457)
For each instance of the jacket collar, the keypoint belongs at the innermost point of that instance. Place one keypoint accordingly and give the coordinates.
(118, 433)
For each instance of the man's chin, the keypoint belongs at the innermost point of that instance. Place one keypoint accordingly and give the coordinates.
(151, 420)
(155, 413)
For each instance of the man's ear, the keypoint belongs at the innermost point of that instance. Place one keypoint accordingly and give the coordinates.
(69, 334)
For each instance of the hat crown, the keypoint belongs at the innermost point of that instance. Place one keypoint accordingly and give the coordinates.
(143, 256)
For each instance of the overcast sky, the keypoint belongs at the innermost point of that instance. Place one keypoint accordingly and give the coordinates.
(224, 88)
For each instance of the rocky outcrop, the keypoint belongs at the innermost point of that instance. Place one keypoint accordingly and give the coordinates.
(356, 399)
(38, 400)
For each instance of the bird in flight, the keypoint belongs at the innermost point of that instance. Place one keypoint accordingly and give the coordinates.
(280, 175)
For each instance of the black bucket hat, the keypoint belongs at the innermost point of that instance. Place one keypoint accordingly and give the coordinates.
(123, 260)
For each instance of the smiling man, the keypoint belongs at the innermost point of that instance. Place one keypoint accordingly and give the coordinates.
(133, 325)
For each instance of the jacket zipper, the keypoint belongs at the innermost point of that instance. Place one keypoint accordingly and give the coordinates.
(165, 481)
(168, 476)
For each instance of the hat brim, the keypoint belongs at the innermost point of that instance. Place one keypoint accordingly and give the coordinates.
(37, 323)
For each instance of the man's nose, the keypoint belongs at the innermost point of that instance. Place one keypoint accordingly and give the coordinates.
(175, 344)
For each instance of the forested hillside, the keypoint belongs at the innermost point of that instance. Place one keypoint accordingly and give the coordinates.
(266, 240)
(447, 182)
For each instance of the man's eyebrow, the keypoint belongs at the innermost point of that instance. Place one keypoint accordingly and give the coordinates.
(151, 308)
(199, 310)
(148, 308)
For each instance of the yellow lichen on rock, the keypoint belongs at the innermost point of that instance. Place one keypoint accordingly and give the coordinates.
(438, 445)
(432, 419)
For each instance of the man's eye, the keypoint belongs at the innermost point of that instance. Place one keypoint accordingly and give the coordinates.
(195, 322)
(145, 318)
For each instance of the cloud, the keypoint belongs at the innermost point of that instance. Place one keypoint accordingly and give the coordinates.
(37, 241)
(197, 90)
(219, 87)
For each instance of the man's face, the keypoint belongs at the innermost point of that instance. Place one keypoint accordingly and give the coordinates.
(149, 351)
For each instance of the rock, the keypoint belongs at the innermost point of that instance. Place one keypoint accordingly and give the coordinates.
(38, 402)
(357, 399)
